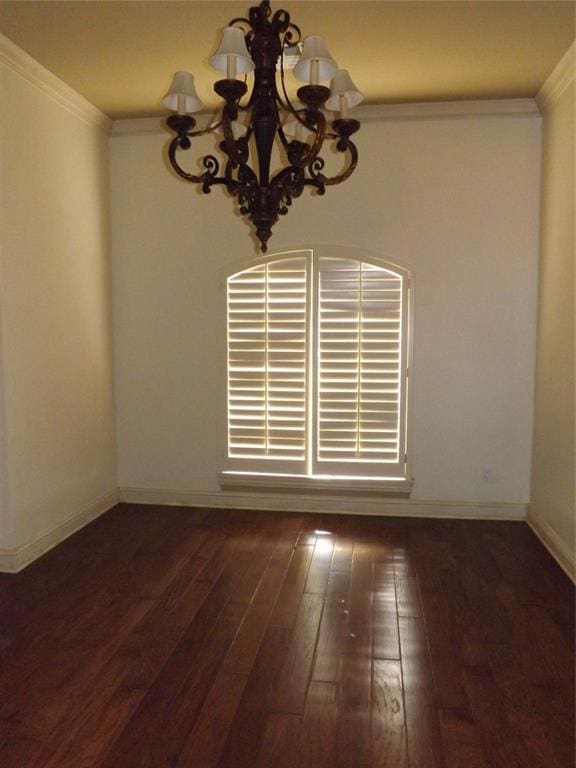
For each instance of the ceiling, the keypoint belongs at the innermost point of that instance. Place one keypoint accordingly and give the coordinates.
(120, 55)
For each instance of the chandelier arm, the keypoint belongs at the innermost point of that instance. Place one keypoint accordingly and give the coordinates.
(316, 166)
(288, 183)
(244, 107)
(229, 179)
(209, 177)
(301, 159)
(238, 21)
(287, 105)
(283, 139)
(231, 149)
(261, 198)
(290, 37)
(246, 182)
(204, 131)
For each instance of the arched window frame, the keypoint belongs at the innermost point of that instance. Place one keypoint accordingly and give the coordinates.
(311, 472)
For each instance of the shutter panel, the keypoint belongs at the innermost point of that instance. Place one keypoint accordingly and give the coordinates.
(359, 385)
(267, 356)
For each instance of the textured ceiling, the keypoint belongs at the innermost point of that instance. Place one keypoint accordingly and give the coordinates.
(120, 55)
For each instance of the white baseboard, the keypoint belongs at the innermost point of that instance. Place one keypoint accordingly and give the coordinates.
(14, 560)
(325, 504)
(563, 555)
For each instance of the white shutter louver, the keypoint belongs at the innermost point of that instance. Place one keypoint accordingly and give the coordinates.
(267, 354)
(317, 369)
(359, 379)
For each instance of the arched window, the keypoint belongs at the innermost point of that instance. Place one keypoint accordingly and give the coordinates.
(317, 374)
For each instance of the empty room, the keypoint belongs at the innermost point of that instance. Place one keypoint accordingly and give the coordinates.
(287, 432)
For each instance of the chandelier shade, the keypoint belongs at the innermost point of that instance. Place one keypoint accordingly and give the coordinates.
(343, 92)
(315, 55)
(182, 96)
(233, 46)
(261, 44)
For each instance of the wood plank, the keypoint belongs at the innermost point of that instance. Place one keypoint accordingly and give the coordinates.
(94, 732)
(318, 737)
(360, 602)
(281, 743)
(354, 702)
(242, 654)
(503, 747)
(286, 609)
(408, 597)
(422, 726)
(23, 752)
(461, 739)
(524, 670)
(386, 643)
(165, 638)
(320, 565)
(36, 692)
(389, 745)
(446, 654)
(342, 557)
(338, 588)
(332, 640)
(204, 745)
(292, 683)
(160, 726)
(168, 711)
(246, 733)
(136, 664)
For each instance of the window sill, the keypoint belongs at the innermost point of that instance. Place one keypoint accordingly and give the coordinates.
(393, 485)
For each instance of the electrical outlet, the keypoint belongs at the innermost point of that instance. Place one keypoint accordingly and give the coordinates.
(488, 475)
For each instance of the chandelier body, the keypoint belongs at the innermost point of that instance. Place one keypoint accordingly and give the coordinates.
(262, 197)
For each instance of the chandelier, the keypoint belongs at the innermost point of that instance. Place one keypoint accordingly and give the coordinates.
(264, 44)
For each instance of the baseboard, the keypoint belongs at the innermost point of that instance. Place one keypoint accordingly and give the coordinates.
(326, 504)
(554, 544)
(14, 560)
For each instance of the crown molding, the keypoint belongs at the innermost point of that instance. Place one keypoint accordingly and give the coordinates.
(139, 125)
(24, 65)
(562, 77)
(439, 110)
(429, 110)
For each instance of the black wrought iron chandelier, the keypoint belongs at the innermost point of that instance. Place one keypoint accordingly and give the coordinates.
(261, 43)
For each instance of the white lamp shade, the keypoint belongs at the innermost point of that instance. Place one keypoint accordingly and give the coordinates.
(183, 86)
(314, 49)
(239, 129)
(292, 128)
(342, 85)
(233, 44)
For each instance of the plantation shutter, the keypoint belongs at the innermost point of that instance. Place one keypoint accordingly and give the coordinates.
(360, 381)
(267, 366)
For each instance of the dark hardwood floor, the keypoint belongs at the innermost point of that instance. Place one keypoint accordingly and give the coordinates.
(178, 638)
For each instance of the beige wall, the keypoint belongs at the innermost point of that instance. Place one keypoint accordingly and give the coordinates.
(552, 508)
(57, 448)
(453, 198)
(5, 518)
